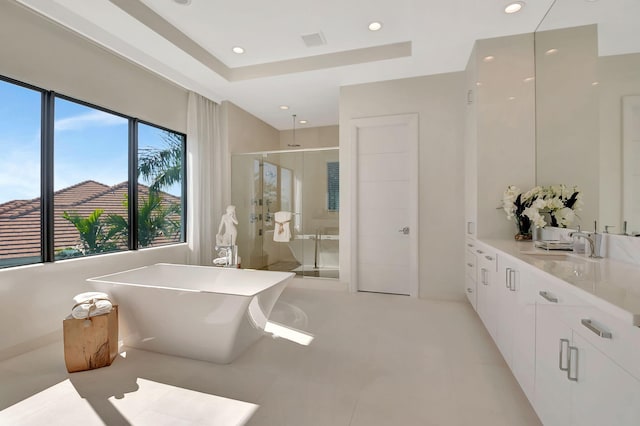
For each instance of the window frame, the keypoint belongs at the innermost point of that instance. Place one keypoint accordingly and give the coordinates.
(47, 219)
(183, 198)
(336, 195)
(42, 170)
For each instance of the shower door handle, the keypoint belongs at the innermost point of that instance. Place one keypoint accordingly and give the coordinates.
(404, 230)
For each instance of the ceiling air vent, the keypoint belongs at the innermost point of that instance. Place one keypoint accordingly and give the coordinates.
(312, 40)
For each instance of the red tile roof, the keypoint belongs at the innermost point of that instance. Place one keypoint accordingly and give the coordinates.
(20, 219)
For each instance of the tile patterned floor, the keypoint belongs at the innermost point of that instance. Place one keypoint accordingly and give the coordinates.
(375, 360)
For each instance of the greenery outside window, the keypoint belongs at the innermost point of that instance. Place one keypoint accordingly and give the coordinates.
(75, 179)
(161, 155)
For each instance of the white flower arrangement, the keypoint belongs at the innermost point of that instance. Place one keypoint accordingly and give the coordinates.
(562, 204)
(531, 208)
(516, 205)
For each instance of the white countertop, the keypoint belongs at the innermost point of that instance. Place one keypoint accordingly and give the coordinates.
(609, 284)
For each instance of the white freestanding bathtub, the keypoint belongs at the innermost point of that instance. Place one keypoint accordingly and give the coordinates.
(200, 312)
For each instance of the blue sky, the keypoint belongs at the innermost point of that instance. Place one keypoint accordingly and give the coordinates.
(89, 144)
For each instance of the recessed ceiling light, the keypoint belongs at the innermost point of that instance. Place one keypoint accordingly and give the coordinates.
(478, 83)
(375, 26)
(183, 2)
(595, 83)
(237, 49)
(303, 121)
(514, 7)
(284, 107)
(488, 58)
(511, 98)
(551, 52)
(528, 79)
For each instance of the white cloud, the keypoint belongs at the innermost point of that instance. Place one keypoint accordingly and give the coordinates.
(19, 175)
(89, 119)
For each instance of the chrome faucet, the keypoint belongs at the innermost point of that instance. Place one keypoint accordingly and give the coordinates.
(594, 242)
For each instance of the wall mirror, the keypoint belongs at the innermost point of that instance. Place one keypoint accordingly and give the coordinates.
(587, 56)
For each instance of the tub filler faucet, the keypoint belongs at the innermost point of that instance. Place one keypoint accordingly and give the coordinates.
(227, 256)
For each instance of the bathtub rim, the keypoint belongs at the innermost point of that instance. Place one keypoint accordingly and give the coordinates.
(285, 276)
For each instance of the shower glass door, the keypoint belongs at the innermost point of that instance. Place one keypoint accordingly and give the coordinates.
(303, 183)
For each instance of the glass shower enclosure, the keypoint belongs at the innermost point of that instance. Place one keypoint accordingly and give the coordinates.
(287, 205)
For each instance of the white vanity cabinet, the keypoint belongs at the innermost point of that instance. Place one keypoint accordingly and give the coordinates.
(575, 354)
(470, 285)
(603, 393)
(515, 323)
(486, 287)
(552, 398)
(576, 383)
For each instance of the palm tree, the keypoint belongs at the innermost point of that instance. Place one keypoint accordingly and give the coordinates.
(155, 219)
(94, 236)
(162, 167)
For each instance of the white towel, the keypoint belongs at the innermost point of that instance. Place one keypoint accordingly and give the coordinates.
(282, 232)
(91, 304)
(83, 297)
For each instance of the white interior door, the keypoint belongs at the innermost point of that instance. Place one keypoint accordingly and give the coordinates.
(385, 201)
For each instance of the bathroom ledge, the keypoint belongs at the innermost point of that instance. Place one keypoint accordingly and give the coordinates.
(611, 285)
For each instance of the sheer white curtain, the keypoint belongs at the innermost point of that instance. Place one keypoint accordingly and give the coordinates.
(207, 180)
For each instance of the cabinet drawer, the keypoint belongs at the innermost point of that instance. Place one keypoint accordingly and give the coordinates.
(553, 293)
(615, 339)
(471, 264)
(470, 244)
(470, 289)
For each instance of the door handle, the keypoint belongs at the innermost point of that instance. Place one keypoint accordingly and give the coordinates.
(562, 357)
(404, 230)
(512, 280)
(571, 361)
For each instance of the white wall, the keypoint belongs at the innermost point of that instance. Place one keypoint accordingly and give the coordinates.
(439, 101)
(246, 132)
(34, 50)
(312, 137)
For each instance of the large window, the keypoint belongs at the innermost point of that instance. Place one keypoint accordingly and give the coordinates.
(71, 179)
(160, 186)
(333, 186)
(90, 180)
(20, 141)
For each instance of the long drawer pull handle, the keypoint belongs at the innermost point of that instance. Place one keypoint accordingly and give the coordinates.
(488, 257)
(561, 357)
(470, 265)
(550, 298)
(591, 326)
(512, 280)
(507, 276)
(479, 251)
(572, 362)
(469, 245)
(469, 290)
